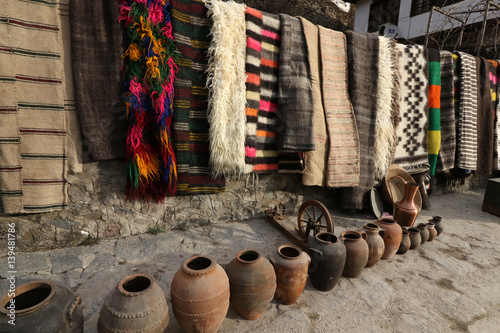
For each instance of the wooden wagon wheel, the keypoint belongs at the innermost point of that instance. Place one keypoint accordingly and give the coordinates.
(313, 215)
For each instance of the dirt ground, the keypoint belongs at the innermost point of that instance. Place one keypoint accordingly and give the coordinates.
(448, 285)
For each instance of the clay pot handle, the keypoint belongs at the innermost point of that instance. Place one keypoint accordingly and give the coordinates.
(71, 308)
(317, 252)
(390, 187)
(381, 232)
(363, 234)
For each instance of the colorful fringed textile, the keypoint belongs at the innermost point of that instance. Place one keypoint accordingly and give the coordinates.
(226, 85)
(434, 127)
(33, 132)
(343, 156)
(150, 71)
(466, 157)
(446, 157)
(97, 45)
(295, 105)
(362, 55)
(411, 150)
(494, 86)
(191, 28)
(485, 119)
(262, 67)
(387, 106)
(315, 161)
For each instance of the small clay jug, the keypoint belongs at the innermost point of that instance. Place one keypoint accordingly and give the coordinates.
(200, 295)
(137, 303)
(405, 211)
(375, 242)
(405, 242)
(328, 256)
(437, 220)
(392, 236)
(432, 231)
(424, 233)
(41, 306)
(357, 252)
(415, 238)
(253, 283)
(290, 265)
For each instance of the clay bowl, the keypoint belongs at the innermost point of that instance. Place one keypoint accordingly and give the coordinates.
(397, 186)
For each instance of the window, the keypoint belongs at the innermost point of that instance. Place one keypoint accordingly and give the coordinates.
(383, 12)
(424, 6)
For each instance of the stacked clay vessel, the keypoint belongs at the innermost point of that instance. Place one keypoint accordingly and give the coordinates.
(405, 242)
(328, 255)
(136, 304)
(392, 235)
(253, 283)
(42, 306)
(432, 231)
(200, 295)
(290, 265)
(415, 239)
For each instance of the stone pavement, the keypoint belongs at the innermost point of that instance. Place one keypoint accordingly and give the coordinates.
(447, 285)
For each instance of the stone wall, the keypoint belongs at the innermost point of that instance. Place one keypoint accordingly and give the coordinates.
(99, 209)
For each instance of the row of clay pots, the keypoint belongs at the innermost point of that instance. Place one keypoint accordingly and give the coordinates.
(415, 236)
(355, 250)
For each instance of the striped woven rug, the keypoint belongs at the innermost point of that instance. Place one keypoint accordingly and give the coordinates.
(434, 128)
(262, 67)
(191, 27)
(485, 119)
(446, 157)
(343, 156)
(466, 157)
(494, 86)
(33, 160)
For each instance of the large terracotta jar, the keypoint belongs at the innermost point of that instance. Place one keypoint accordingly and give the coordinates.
(253, 283)
(438, 225)
(392, 235)
(375, 242)
(328, 255)
(41, 306)
(415, 239)
(137, 303)
(405, 242)
(200, 295)
(290, 265)
(356, 253)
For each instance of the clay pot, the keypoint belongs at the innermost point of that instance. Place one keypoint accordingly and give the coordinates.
(200, 295)
(328, 255)
(392, 235)
(415, 238)
(375, 242)
(437, 220)
(424, 233)
(137, 303)
(41, 306)
(405, 242)
(290, 265)
(432, 231)
(356, 253)
(253, 283)
(405, 210)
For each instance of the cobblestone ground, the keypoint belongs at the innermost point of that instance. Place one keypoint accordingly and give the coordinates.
(447, 285)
